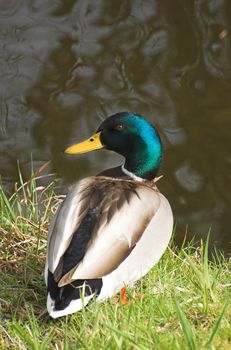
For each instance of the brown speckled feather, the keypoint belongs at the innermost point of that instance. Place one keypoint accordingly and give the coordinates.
(125, 208)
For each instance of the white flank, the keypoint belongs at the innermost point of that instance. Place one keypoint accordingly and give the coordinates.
(145, 255)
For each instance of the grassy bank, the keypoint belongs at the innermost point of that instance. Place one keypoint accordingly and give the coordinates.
(181, 304)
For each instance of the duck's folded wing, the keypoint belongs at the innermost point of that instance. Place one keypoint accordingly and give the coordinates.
(97, 227)
(66, 222)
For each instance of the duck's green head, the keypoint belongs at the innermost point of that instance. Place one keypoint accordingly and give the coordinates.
(133, 137)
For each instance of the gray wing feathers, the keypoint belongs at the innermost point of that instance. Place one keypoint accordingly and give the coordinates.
(126, 208)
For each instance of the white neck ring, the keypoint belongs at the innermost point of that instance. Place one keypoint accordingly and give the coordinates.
(133, 176)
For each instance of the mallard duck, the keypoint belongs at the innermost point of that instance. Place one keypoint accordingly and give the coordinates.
(113, 227)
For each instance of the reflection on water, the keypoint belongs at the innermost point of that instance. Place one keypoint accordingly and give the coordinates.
(66, 65)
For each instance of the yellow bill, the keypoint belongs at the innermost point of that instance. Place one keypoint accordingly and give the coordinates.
(91, 144)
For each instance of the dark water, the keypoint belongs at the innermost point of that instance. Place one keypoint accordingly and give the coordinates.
(66, 65)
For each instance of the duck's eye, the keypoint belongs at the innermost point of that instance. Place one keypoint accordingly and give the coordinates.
(118, 127)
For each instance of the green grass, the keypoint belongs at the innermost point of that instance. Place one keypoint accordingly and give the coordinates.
(181, 304)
